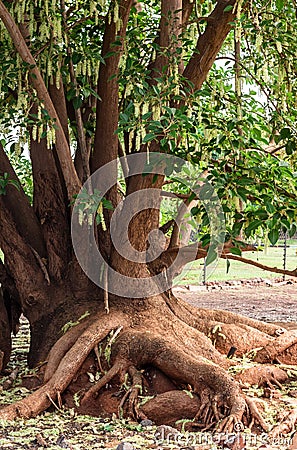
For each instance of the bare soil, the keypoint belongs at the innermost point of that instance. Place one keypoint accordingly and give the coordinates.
(270, 301)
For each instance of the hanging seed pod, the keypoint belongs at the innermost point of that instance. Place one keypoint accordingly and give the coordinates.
(34, 132)
(156, 112)
(119, 24)
(138, 141)
(116, 12)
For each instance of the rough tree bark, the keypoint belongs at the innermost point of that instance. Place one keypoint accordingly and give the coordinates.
(140, 335)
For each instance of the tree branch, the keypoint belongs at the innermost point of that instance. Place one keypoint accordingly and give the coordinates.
(78, 115)
(209, 43)
(71, 179)
(193, 252)
(22, 212)
(107, 111)
(50, 207)
(187, 11)
(292, 273)
(179, 222)
(21, 262)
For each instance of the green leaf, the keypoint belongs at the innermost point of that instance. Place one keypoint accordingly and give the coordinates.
(228, 8)
(253, 226)
(270, 208)
(149, 137)
(15, 183)
(107, 204)
(237, 228)
(235, 251)
(124, 117)
(285, 133)
(206, 192)
(273, 236)
(279, 4)
(292, 230)
(228, 265)
(290, 147)
(76, 57)
(211, 256)
(147, 115)
(77, 102)
(195, 210)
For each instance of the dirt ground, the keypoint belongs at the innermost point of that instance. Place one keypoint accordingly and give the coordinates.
(259, 298)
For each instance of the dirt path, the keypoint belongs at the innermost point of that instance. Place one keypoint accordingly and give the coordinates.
(275, 302)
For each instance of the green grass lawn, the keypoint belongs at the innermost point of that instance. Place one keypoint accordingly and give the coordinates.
(272, 256)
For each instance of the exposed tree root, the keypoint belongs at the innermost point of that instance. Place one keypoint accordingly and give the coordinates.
(266, 375)
(242, 337)
(200, 318)
(220, 395)
(62, 346)
(227, 329)
(286, 426)
(39, 400)
(274, 350)
(256, 415)
(133, 393)
(119, 367)
(167, 408)
(194, 374)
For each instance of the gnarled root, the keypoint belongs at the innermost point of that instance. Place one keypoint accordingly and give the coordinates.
(255, 413)
(219, 394)
(242, 337)
(276, 350)
(169, 407)
(266, 375)
(41, 399)
(286, 426)
(61, 347)
(118, 368)
(200, 318)
(131, 396)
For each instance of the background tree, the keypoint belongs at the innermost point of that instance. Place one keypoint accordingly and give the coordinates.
(85, 82)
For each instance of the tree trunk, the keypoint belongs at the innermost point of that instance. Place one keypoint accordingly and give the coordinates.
(5, 334)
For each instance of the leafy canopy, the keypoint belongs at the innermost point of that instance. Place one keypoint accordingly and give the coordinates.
(239, 128)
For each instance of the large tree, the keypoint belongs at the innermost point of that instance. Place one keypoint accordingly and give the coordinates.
(84, 83)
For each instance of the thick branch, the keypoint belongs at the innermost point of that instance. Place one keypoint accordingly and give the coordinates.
(11, 298)
(170, 30)
(107, 111)
(181, 222)
(106, 141)
(187, 10)
(50, 208)
(21, 262)
(58, 98)
(191, 252)
(5, 333)
(78, 114)
(18, 204)
(187, 254)
(71, 179)
(292, 273)
(209, 43)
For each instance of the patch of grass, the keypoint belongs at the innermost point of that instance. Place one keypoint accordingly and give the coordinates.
(272, 256)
